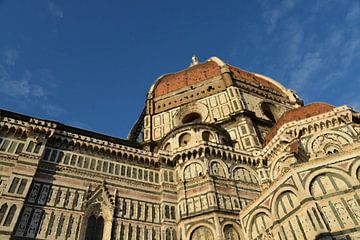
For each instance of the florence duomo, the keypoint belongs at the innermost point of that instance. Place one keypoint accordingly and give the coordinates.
(218, 153)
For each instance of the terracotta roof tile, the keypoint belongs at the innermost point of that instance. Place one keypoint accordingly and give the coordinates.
(296, 115)
(188, 77)
(250, 77)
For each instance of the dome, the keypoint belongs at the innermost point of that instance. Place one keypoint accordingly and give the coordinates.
(297, 114)
(211, 68)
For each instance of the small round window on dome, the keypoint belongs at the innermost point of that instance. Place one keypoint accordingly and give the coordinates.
(191, 118)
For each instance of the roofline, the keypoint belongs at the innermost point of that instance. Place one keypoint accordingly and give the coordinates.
(64, 127)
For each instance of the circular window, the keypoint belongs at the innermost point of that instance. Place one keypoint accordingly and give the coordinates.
(184, 139)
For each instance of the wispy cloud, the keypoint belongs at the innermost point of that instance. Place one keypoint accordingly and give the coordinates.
(11, 56)
(272, 15)
(22, 87)
(309, 56)
(55, 10)
(354, 12)
(53, 110)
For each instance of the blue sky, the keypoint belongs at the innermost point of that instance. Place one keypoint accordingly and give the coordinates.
(90, 63)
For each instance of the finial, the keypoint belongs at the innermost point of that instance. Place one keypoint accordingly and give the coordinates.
(194, 60)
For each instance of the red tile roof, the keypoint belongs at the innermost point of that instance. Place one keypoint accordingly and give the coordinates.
(202, 72)
(187, 77)
(296, 115)
(251, 77)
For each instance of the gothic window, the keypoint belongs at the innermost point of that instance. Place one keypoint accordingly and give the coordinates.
(3, 209)
(94, 228)
(168, 234)
(174, 234)
(105, 166)
(14, 185)
(10, 215)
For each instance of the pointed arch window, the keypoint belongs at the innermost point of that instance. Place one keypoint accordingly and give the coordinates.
(3, 209)
(10, 216)
(95, 228)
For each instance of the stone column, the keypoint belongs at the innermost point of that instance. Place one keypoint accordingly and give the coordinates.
(126, 231)
(107, 230)
(150, 233)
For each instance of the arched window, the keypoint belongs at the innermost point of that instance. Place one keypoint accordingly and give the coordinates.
(3, 209)
(230, 233)
(95, 227)
(260, 224)
(207, 136)
(271, 111)
(168, 234)
(202, 233)
(10, 215)
(193, 170)
(191, 118)
(184, 139)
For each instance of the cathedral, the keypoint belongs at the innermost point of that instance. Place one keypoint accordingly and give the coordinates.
(218, 153)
